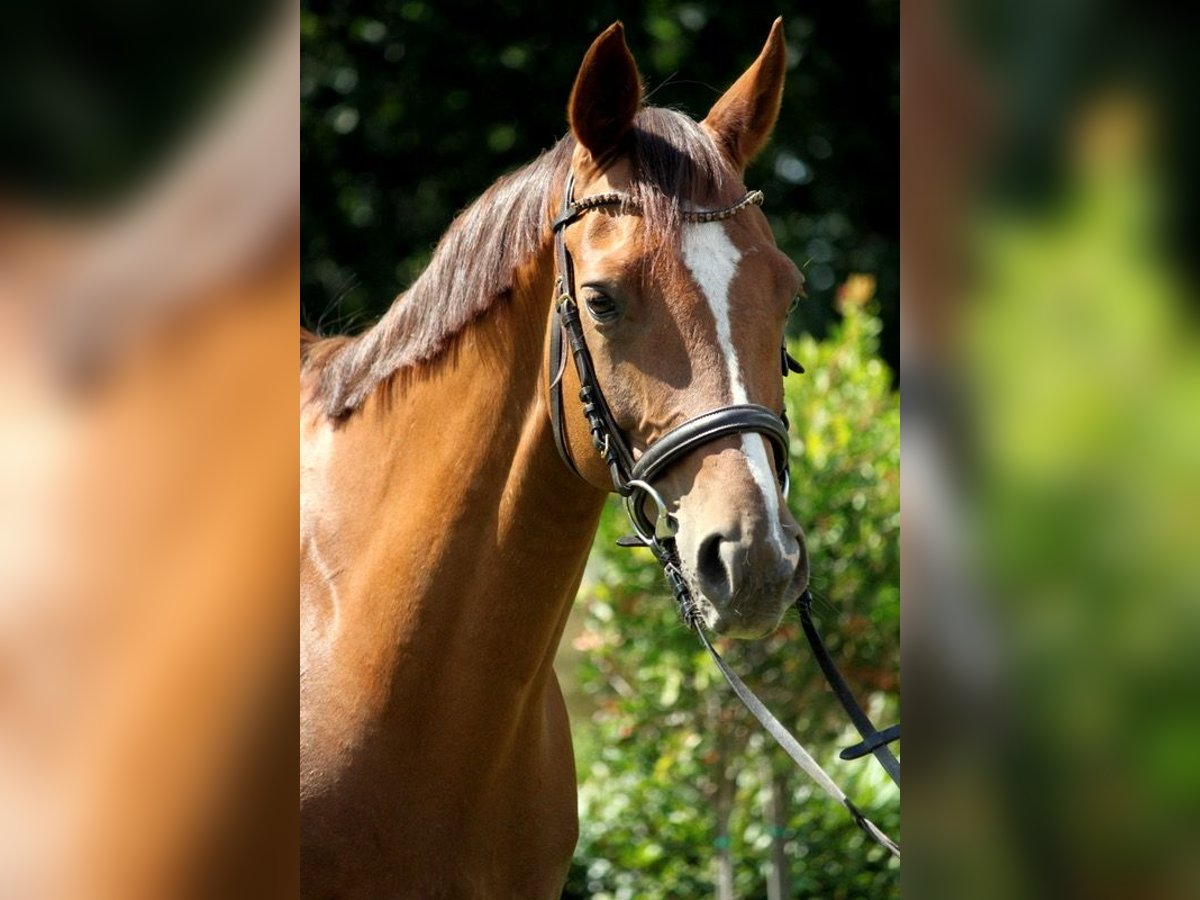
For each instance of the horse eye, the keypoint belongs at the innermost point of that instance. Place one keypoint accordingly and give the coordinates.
(601, 307)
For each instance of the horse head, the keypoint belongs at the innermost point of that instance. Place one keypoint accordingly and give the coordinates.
(682, 311)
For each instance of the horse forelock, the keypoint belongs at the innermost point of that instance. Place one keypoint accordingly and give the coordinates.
(673, 165)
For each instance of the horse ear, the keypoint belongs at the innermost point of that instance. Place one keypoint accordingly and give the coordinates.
(742, 120)
(606, 95)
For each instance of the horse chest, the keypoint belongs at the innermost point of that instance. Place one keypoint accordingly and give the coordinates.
(423, 805)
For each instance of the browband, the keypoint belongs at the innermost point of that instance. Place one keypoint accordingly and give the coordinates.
(575, 208)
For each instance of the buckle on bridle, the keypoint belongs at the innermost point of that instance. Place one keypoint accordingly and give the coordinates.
(665, 525)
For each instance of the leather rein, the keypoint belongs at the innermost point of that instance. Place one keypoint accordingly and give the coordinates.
(633, 480)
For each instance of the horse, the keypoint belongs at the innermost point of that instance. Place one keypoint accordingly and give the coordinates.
(444, 531)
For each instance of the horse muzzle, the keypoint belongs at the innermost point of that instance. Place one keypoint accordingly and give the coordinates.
(745, 561)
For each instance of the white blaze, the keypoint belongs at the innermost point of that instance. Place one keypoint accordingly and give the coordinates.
(712, 259)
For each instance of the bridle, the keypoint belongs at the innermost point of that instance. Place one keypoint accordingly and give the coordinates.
(633, 480)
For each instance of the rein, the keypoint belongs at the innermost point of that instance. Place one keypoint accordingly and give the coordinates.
(633, 480)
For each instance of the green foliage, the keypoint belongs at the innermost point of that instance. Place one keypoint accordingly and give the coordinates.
(1086, 375)
(667, 741)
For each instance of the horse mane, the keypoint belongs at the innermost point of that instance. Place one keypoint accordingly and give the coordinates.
(672, 162)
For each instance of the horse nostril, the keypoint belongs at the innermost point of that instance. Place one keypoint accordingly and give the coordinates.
(711, 568)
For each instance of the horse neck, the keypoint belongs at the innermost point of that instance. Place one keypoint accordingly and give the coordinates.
(484, 530)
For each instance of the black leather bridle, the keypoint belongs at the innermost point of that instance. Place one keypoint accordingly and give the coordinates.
(633, 480)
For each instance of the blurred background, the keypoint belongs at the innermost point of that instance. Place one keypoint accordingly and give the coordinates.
(97, 96)
(410, 109)
(149, 275)
(1051, 447)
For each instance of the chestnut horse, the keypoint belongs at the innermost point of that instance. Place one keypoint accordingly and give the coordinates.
(442, 536)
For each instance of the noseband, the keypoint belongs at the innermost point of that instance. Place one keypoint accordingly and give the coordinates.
(634, 480)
